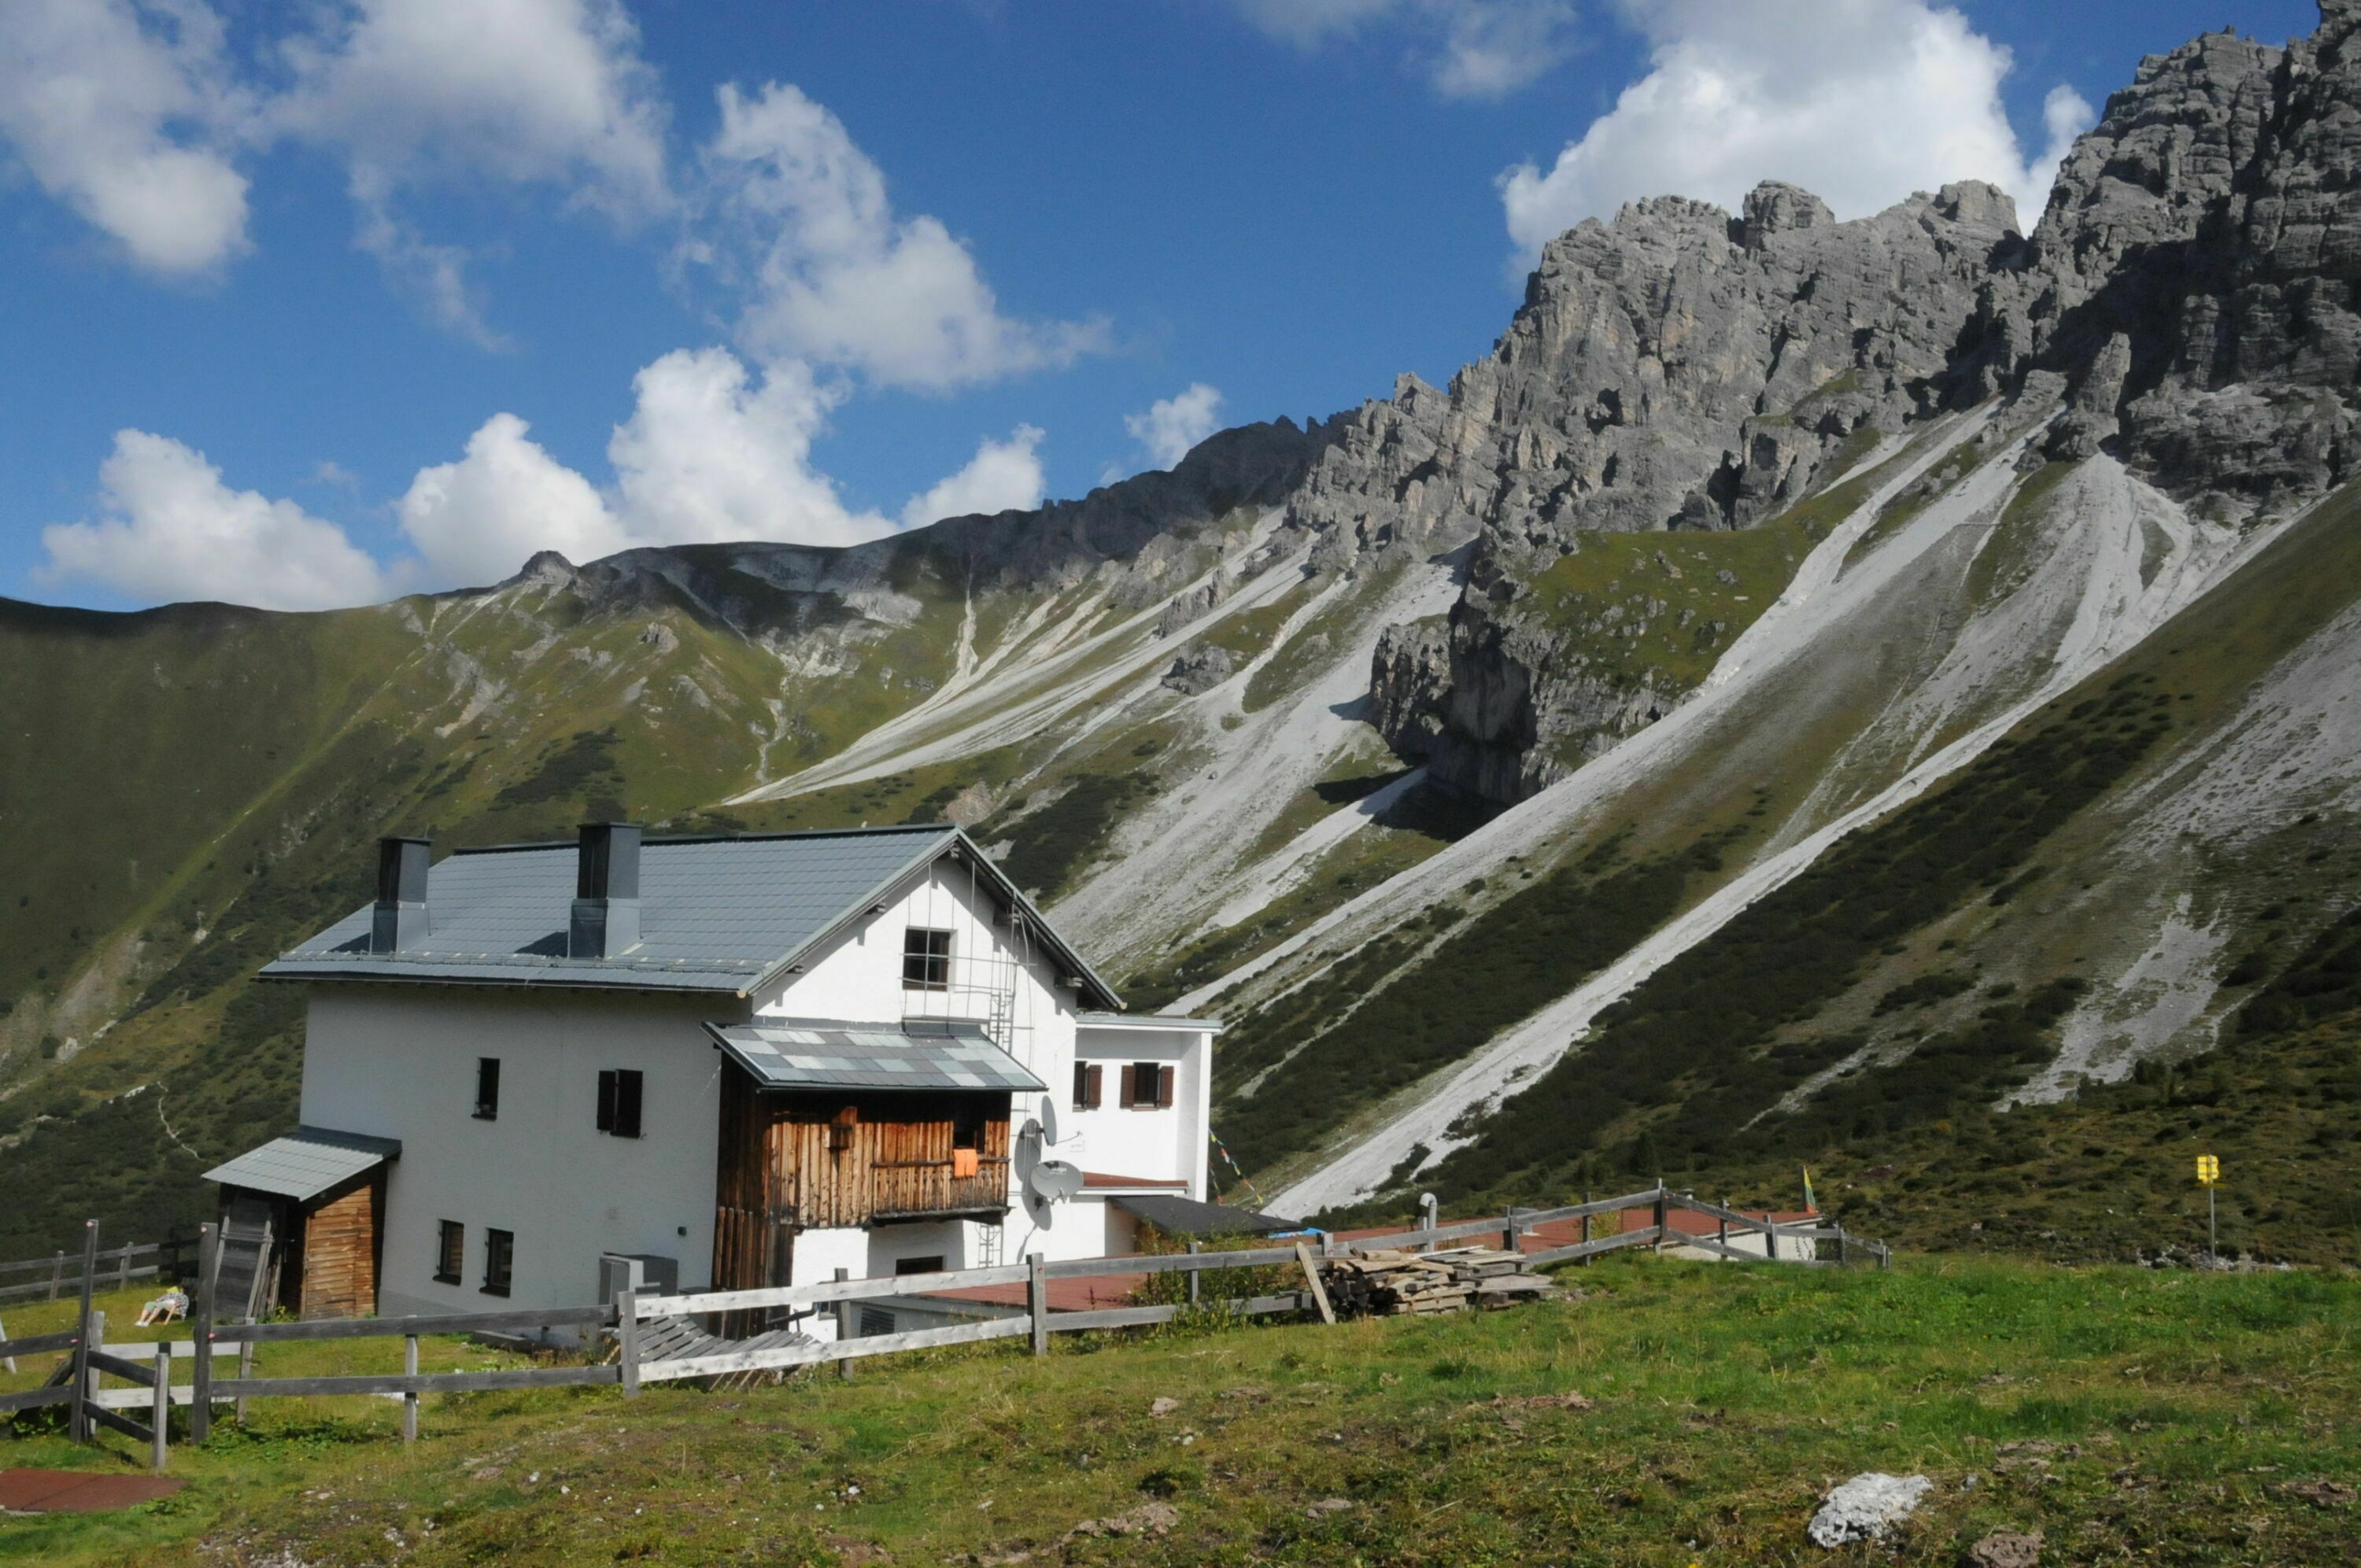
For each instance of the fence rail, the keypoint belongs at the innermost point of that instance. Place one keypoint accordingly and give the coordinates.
(114, 1264)
(92, 1358)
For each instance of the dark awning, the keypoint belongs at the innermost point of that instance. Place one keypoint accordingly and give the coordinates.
(1187, 1217)
(306, 1162)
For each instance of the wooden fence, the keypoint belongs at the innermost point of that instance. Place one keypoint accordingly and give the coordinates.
(78, 1385)
(60, 1274)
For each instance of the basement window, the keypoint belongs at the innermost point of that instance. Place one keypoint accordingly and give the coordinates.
(932, 1264)
(499, 1261)
(487, 1089)
(1147, 1086)
(926, 959)
(619, 1102)
(450, 1252)
(1090, 1085)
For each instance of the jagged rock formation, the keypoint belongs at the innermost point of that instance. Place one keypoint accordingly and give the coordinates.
(2188, 298)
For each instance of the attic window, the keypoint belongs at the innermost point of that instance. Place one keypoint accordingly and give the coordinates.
(926, 959)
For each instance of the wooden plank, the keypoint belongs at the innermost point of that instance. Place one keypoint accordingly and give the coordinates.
(1714, 1211)
(42, 1287)
(1168, 1263)
(1643, 1236)
(391, 1328)
(36, 1344)
(34, 1398)
(100, 1416)
(422, 1383)
(835, 1290)
(134, 1249)
(78, 1424)
(787, 1355)
(1312, 1278)
(1111, 1318)
(115, 1366)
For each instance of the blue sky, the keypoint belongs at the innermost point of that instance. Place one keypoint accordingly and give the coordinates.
(310, 303)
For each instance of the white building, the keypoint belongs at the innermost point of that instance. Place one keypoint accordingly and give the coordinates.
(749, 1060)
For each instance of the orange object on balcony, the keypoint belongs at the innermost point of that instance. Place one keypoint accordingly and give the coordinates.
(964, 1164)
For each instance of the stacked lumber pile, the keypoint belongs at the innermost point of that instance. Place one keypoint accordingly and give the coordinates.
(1388, 1283)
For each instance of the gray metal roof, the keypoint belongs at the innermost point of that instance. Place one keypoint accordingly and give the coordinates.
(1176, 1216)
(715, 914)
(819, 1053)
(306, 1162)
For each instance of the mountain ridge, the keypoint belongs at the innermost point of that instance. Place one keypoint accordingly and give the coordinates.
(1436, 744)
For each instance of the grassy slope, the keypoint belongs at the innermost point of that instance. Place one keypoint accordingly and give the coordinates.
(2180, 1407)
(1821, 974)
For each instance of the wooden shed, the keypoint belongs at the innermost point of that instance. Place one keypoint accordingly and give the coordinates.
(302, 1223)
(828, 1126)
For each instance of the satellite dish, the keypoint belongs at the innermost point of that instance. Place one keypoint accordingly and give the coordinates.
(1054, 1180)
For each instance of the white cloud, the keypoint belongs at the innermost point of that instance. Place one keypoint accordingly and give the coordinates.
(1860, 102)
(835, 278)
(1469, 49)
(1174, 424)
(172, 530)
(524, 90)
(123, 112)
(1003, 475)
(477, 520)
(706, 457)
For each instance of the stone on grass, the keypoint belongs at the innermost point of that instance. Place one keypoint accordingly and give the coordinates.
(2007, 1549)
(1148, 1518)
(1866, 1507)
(1162, 1404)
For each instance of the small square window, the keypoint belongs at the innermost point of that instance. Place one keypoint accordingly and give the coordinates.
(450, 1252)
(926, 959)
(1147, 1086)
(619, 1102)
(499, 1261)
(487, 1089)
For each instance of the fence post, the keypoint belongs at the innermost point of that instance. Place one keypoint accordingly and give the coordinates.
(1662, 1214)
(1512, 1233)
(1312, 1279)
(78, 1422)
(162, 1405)
(1586, 1222)
(1722, 1234)
(1036, 1299)
(94, 1340)
(409, 1396)
(627, 1334)
(1429, 1215)
(1196, 1276)
(201, 1327)
(844, 1322)
(123, 1267)
(1844, 1253)
(57, 1273)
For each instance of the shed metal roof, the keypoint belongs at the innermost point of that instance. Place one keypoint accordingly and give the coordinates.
(1176, 1216)
(306, 1162)
(715, 914)
(927, 1054)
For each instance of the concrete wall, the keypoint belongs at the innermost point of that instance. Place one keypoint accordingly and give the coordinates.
(400, 1061)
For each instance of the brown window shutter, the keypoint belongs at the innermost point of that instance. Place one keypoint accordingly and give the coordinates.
(1126, 1100)
(1163, 1087)
(1094, 1086)
(1081, 1087)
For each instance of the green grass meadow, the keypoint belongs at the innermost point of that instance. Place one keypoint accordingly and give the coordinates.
(2159, 1417)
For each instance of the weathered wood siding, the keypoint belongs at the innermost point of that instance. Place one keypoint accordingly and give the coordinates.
(340, 1251)
(808, 1161)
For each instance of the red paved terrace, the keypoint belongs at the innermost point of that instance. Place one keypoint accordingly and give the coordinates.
(78, 1491)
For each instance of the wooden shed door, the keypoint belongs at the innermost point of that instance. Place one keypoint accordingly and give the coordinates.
(342, 1245)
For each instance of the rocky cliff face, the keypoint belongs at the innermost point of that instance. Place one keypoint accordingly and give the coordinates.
(2186, 305)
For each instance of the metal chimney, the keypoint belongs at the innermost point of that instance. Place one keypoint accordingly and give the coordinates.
(606, 891)
(399, 919)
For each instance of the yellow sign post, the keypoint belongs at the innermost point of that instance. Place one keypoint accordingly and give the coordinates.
(2209, 1174)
